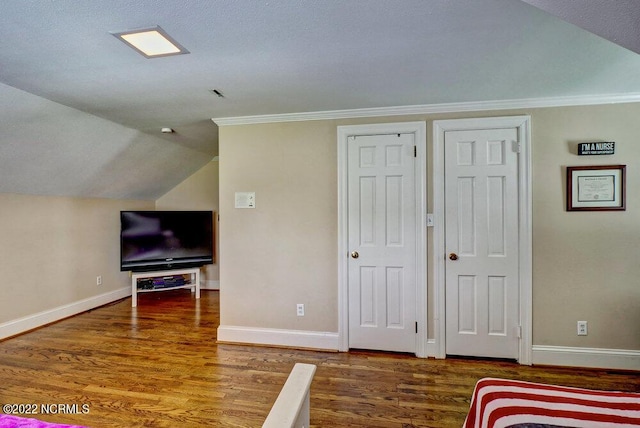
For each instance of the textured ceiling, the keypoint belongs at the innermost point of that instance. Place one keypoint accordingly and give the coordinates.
(617, 21)
(81, 112)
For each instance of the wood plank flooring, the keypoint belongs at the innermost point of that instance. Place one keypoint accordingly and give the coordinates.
(158, 365)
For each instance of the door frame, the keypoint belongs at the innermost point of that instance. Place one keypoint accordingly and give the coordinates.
(523, 126)
(419, 129)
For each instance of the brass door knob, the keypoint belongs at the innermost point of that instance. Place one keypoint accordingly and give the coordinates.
(453, 256)
(354, 255)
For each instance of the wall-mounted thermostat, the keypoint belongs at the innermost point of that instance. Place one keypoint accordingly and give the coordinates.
(245, 199)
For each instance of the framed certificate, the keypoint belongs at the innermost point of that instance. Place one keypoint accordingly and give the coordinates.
(596, 188)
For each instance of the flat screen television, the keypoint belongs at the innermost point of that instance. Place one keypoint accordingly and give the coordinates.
(165, 240)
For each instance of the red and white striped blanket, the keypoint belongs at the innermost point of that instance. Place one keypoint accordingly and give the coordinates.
(501, 403)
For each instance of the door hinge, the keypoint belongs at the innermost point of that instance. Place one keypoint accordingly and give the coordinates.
(415, 151)
(519, 332)
(517, 146)
(416, 327)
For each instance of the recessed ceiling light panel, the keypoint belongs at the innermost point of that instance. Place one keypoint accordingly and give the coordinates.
(151, 42)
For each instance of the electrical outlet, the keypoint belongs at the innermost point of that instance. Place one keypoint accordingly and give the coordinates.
(582, 328)
(99, 280)
(300, 309)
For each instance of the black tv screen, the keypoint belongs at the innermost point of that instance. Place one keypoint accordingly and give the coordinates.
(163, 240)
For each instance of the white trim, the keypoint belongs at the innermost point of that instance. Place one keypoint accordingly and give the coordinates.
(278, 337)
(30, 322)
(523, 124)
(580, 100)
(421, 240)
(343, 248)
(432, 350)
(437, 256)
(621, 359)
(292, 407)
(525, 251)
(420, 131)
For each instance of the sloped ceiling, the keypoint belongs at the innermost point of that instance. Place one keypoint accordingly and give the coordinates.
(80, 112)
(617, 21)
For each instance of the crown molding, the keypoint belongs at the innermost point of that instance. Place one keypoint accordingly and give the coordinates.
(431, 109)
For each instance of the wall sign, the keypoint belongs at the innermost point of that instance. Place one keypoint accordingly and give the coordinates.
(599, 148)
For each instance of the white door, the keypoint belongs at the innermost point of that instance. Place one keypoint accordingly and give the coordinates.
(382, 242)
(481, 241)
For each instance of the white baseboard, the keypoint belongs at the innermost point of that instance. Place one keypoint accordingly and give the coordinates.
(21, 325)
(278, 337)
(210, 285)
(432, 351)
(622, 359)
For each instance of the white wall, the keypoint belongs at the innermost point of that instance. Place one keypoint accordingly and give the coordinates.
(198, 192)
(585, 264)
(53, 248)
(282, 252)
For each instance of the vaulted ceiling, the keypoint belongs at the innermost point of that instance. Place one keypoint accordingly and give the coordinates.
(81, 113)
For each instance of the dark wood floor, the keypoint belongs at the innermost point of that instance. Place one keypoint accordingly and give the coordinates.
(158, 365)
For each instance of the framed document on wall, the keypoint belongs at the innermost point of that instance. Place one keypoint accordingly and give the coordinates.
(596, 188)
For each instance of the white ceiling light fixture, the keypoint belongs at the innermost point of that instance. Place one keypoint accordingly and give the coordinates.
(151, 42)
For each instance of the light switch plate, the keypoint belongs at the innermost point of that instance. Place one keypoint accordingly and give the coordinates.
(245, 199)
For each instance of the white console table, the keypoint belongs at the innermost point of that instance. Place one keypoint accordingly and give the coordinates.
(194, 284)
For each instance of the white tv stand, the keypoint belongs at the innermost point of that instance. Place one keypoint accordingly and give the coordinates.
(194, 284)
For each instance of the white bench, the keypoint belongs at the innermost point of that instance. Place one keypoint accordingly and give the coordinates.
(291, 409)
